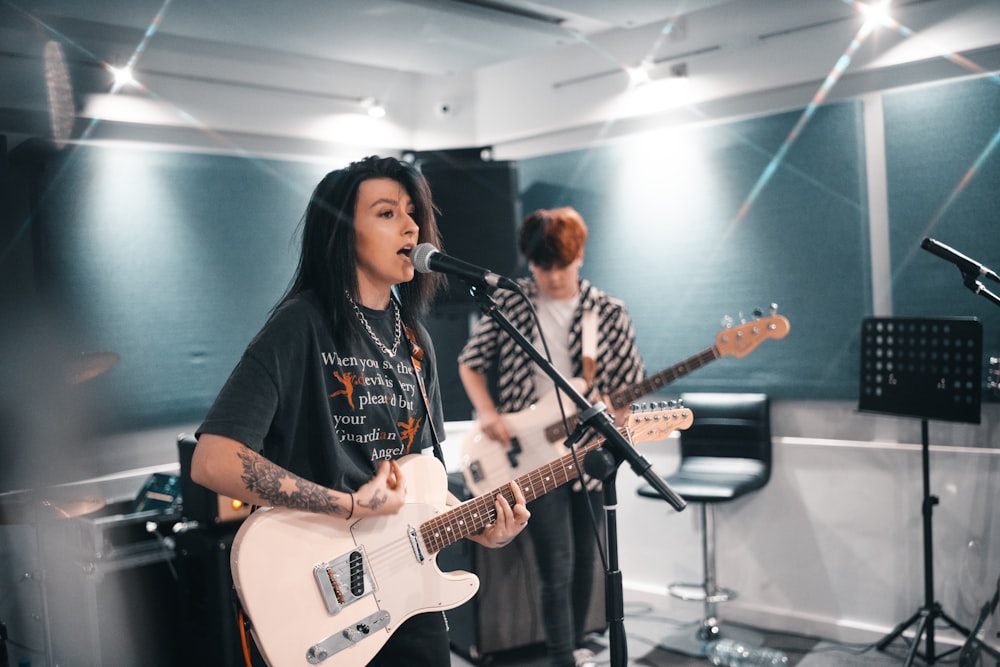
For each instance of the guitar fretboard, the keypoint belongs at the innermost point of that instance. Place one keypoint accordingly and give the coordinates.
(473, 515)
(628, 395)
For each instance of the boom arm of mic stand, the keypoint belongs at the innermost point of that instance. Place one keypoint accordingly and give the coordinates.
(598, 419)
(977, 287)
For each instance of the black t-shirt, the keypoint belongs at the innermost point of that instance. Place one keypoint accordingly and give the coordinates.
(327, 414)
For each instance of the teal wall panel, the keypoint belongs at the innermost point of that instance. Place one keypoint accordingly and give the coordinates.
(171, 260)
(668, 237)
(943, 160)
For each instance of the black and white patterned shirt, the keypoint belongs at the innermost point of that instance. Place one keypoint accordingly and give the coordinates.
(490, 349)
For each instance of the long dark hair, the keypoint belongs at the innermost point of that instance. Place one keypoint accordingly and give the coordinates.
(328, 263)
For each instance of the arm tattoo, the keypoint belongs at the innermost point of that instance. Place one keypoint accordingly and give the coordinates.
(280, 487)
(378, 499)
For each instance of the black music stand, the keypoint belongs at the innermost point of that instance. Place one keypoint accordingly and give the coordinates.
(927, 368)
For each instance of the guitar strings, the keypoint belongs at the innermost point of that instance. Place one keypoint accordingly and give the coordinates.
(439, 531)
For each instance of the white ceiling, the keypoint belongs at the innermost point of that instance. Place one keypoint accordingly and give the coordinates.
(451, 73)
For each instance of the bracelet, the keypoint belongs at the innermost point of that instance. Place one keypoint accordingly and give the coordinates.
(351, 513)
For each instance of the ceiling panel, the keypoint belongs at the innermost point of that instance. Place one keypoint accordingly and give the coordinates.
(207, 58)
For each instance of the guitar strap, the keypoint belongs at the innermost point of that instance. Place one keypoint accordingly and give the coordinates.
(588, 342)
(417, 358)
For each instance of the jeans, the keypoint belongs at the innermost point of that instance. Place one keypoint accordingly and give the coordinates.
(565, 548)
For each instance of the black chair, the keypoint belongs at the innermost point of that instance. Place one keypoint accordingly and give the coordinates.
(725, 454)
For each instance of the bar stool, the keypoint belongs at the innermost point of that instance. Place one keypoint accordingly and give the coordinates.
(725, 454)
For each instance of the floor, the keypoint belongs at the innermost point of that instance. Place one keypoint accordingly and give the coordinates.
(645, 627)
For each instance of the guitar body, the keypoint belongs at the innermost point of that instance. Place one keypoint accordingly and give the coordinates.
(319, 592)
(487, 464)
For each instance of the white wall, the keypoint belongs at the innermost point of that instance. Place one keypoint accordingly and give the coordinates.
(833, 545)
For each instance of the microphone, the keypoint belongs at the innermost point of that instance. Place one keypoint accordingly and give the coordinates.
(426, 258)
(965, 264)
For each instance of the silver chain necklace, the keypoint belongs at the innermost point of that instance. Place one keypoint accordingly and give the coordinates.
(378, 341)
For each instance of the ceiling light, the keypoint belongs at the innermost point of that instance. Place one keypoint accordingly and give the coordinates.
(876, 13)
(123, 76)
(637, 75)
(373, 107)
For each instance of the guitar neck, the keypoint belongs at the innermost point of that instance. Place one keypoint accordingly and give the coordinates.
(628, 395)
(473, 515)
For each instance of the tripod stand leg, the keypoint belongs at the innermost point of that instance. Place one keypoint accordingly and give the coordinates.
(988, 649)
(921, 627)
(955, 624)
(898, 631)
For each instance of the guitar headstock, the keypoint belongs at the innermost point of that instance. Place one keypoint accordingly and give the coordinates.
(742, 339)
(648, 424)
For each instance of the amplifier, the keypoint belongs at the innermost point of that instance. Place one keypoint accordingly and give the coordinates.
(201, 504)
(110, 587)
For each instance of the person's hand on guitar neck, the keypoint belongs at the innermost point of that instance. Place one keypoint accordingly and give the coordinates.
(510, 520)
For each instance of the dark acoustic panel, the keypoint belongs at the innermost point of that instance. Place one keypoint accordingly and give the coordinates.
(478, 215)
(449, 329)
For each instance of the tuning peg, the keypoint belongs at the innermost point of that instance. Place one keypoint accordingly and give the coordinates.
(727, 322)
(758, 313)
(774, 309)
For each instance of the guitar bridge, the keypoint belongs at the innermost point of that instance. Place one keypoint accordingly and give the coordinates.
(344, 580)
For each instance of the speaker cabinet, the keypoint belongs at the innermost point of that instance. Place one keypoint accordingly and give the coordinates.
(506, 612)
(207, 598)
(115, 612)
(201, 504)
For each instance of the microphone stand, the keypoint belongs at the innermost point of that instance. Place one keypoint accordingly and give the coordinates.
(596, 417)
(969, 280)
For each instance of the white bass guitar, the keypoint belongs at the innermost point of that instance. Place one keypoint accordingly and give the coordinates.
(536, 438)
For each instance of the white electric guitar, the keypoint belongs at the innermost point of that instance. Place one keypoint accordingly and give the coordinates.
(536, 438)
(318, 591)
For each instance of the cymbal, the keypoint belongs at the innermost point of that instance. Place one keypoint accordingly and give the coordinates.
(37, 511)
(89, 365)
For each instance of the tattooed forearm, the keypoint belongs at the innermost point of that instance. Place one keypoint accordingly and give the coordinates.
(280, 487)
